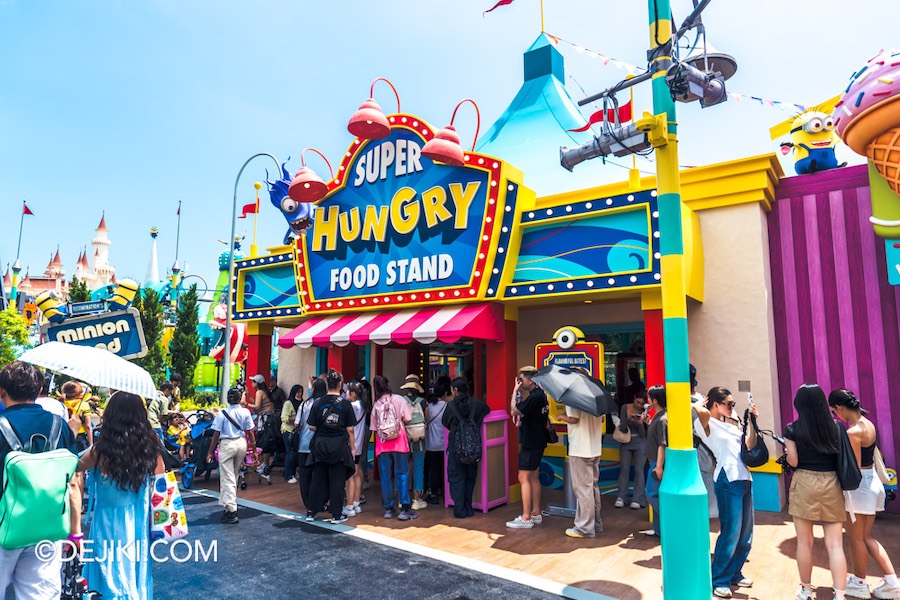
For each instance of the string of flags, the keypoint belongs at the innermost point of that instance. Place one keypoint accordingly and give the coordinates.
(634, 69)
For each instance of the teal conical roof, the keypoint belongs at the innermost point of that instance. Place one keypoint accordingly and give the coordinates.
(531, 130)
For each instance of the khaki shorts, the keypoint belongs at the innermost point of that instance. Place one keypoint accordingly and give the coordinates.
(817, 496)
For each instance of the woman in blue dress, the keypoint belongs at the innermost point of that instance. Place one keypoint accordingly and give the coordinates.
(122, 464)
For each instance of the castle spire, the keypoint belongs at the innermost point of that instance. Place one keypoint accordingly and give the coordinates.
(102, 225)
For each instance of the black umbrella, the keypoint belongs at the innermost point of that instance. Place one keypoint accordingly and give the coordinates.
(574, 389)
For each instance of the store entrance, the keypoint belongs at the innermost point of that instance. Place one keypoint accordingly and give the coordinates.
(451, 360)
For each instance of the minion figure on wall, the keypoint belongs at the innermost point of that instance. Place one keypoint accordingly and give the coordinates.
(812, 140)
(49, 304)
(123, 295)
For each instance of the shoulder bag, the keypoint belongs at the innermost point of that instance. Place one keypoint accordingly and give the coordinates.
(848, 472)
(759, 454)
(168, 520)
(881, 470)
(622, 433)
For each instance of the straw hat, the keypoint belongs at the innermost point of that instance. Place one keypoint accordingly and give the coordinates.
(412, 383)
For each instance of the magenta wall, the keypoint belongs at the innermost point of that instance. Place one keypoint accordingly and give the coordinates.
(836, 316)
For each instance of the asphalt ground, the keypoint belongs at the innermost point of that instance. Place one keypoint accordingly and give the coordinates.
(268, 557)
(271, 557)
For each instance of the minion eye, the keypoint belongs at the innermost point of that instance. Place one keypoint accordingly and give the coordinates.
(288, 204)
(829, 123)
(814, 125)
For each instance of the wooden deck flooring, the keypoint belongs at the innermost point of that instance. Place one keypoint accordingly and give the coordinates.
(620, 563)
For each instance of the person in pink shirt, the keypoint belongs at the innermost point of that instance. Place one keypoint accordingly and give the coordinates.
(389, 414)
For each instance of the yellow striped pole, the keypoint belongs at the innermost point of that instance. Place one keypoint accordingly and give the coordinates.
(684, 512)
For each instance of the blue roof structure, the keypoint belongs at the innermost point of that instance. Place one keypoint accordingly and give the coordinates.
(531, 130)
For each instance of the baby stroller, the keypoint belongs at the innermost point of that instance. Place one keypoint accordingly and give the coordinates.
(74, 585)
(251, 465)
(201, 439)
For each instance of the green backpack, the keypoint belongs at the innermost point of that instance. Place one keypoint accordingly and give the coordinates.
(415, 427)
(34, 505)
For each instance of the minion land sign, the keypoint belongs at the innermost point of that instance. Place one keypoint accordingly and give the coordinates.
(120, 332)
(397, 228)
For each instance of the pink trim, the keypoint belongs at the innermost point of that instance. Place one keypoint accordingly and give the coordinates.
(842, 283)
(482, 321)
(323, 338)
(791, 310)
(492, 417)
(816, 293)
(871, 275)
(362, 335)
(405, 333)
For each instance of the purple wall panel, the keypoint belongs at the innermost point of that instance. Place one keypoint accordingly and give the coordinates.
(837, 320)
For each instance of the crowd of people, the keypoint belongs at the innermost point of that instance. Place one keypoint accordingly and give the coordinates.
(325, 430)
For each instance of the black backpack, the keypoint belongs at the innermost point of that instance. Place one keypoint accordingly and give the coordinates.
(465, 438)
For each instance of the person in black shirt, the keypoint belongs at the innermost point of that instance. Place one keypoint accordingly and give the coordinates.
(529, 409)
(461, 477)
(331, 450)
(277, 395)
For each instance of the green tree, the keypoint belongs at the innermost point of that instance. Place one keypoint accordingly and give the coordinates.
(185, 347)
(78, 291)
(152, 321)
(13, 333)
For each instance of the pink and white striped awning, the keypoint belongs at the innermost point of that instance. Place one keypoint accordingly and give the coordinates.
(424, 325)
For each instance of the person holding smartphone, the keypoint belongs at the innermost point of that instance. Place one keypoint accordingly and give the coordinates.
(721, 431)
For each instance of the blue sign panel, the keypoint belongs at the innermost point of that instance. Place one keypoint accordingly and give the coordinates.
(892, 250)
(86, 308)
(119, 332)
(401, 223)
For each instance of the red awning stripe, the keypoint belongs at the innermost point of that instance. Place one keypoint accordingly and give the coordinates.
(425, 325)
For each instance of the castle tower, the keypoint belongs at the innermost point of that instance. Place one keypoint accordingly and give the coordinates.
(82, 270)
(55, 268)
(102, 271)
(152, 275)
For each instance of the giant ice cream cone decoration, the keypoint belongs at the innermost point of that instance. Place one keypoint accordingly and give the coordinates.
(867, 117)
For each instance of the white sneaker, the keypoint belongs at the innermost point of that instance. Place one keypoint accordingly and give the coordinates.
(619, 503)
(537, 519)
(634, 506)
(520, 523)
(348, 511)
(419, 504)
(805, 594)
(857, 588)
(357, 508)
(292, 480)
(885, 591)
(722, 592)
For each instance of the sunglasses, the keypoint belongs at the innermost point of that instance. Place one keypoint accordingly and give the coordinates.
(731, 404)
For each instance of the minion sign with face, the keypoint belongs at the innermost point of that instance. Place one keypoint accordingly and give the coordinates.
(812, 140)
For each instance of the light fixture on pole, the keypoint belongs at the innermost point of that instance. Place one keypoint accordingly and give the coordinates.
(306, 186)
(229, 291)
(645, 133)
(369, 122)
(444, 147)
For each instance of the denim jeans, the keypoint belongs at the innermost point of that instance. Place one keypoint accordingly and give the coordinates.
(634, 453)
(735, 500)
(652, 492)
(396, 463)
(461, 478)
(290, 457)
(418, 470)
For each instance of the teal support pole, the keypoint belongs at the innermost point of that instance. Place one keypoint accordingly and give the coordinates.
(684, 512)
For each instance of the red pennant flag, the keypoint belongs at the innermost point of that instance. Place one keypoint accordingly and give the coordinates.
(26, 210)
(498, 5)
(249, 209)
(597, 117)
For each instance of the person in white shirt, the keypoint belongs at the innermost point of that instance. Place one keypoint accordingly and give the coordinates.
(721, 432)
(229, 429)
(585, 446)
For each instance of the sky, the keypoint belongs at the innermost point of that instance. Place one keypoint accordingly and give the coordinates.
(128, 108)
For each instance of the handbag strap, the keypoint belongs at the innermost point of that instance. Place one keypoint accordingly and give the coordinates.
(429, 421)
(232, 421)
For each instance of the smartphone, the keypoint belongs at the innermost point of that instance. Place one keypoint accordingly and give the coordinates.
(749, 400)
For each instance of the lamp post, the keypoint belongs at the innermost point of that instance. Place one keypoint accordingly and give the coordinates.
(684, 531)
(226, 358)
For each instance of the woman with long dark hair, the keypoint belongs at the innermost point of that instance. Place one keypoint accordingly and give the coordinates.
(812, 443)
(124, 461)
(288, 416)
(331, 450)
(267, 432)
(722, 434)
(865, 501)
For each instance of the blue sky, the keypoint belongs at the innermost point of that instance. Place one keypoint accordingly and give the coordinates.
(129, 107)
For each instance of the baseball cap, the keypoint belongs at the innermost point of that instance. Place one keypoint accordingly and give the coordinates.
(258, 379)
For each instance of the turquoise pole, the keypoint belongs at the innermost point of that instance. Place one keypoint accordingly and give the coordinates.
(684, 512)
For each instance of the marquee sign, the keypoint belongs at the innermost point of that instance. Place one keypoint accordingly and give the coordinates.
(397, 228)
(120, 332)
